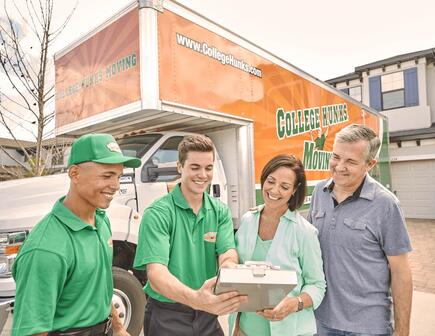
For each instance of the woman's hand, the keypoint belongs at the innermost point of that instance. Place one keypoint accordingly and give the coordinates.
(287, 306)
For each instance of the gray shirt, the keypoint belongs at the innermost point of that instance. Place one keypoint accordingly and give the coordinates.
(355, 238)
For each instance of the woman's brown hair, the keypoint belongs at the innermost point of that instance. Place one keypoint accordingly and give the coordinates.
(289, 161)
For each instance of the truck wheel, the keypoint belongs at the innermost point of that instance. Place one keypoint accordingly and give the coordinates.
(129, 300)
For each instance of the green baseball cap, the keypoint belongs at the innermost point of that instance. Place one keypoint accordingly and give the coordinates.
(100, 148)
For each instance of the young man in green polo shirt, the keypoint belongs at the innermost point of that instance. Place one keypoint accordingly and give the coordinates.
(63, 272)
(183, 238)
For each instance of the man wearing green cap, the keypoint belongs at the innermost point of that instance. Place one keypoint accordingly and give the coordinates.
(63, 272)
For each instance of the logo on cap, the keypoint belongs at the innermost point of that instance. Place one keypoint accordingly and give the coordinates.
(114, 147)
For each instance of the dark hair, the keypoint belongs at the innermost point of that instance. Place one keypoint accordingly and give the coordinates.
(194, 143)
(289, 161)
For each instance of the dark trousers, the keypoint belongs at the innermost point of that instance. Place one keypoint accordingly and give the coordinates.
(169, 319)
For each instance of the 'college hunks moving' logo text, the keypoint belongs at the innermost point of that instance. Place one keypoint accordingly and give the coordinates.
(316, 121)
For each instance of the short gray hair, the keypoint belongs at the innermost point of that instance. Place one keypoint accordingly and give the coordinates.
(355, 133)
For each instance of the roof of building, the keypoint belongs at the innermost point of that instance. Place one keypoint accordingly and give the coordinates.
(414, 134)
(11, 143)
(428, 53)
(343, 78)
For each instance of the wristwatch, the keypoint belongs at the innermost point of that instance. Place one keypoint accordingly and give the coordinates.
(300, 304)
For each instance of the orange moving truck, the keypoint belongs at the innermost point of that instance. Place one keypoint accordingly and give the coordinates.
(151, 74)
(166, 68)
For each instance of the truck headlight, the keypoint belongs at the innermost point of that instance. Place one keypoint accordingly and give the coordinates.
(10, 244)
(6, 263)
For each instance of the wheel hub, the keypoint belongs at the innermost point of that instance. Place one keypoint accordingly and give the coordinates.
(122, 305)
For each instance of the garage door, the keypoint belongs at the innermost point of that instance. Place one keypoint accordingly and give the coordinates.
(414, 184)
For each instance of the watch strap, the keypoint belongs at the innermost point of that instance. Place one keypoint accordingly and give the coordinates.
(300, 304)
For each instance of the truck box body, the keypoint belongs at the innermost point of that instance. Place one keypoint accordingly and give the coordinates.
(171, 69)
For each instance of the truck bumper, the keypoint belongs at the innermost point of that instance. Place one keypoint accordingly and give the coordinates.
(7, 286)
(7, 298)
(6, 306)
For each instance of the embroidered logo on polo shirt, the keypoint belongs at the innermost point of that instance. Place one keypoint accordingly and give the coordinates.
(110, 242)
(210, 237)
(114, 147)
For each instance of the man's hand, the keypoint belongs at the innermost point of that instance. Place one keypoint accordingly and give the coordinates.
(228, 264)
(221, 304)
(118, 328)
(163, 282)
(287, 306)
(229, 259)
(120, 332)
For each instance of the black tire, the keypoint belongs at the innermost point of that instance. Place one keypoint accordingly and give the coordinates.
(126, 283)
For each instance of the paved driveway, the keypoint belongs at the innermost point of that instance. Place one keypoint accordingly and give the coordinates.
(422, 261)
(422, 258)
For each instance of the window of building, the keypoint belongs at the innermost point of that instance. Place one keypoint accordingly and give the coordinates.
(393, 91)
(355, 93)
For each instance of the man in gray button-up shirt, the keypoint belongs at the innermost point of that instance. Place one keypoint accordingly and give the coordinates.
(364, 244)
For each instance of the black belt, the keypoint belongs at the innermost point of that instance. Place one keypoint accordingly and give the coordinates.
(178, 307)
(102, 328)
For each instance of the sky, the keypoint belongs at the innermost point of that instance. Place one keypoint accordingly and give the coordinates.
(326, 39)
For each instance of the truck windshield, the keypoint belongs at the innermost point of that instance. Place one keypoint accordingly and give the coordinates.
(138, 145)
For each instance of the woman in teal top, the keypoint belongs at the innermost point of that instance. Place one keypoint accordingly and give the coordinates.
(277, 233)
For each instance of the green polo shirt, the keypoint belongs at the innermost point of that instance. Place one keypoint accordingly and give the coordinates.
(188, 244)
(63, 274)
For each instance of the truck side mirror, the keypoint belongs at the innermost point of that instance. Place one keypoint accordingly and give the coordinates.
(162, 173)
(145, 172)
